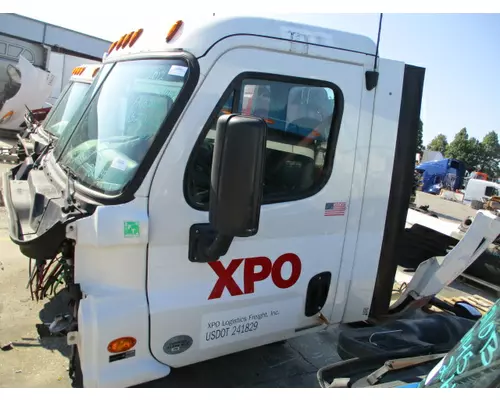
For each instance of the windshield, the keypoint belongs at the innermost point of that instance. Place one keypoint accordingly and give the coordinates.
(115, 128)
(474, 361)
(65, 108)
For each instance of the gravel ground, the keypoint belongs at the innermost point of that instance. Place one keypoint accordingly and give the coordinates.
(31, 362)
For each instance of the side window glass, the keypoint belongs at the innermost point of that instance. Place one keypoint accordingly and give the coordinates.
(299, 119)
(490, 191)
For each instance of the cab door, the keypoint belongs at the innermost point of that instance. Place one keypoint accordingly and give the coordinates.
(273, 285)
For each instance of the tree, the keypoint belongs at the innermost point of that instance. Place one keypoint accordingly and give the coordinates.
(468, 150)
(439, 143)
(491, 154)
(420, 137)
(480, 156)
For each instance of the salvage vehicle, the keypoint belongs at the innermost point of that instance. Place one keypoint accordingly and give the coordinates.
(478, 191)
(38, 136)
(23, 85)
(72, 96)
(446, 173)
(187, 227)
(33, 71)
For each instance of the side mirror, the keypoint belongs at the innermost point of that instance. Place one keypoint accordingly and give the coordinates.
(236, 187)
(237, 175)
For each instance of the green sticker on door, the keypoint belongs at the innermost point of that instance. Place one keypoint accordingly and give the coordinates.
(131, 229)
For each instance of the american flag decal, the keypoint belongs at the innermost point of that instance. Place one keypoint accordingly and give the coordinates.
(335, 209)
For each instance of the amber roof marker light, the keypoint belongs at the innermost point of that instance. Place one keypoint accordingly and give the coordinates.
(136, 35)
(173, 30)
(120, 41)
(78, 70)
(112, 47)
(127, 40)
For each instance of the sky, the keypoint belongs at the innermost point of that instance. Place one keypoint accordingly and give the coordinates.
(461, 52)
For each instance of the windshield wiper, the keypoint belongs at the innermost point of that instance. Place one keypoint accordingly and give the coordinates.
(69, 204)
(30, 122)
(44, 152)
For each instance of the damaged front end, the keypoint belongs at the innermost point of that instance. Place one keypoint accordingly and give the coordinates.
(36, 201)
(36, 212)
(41, 209)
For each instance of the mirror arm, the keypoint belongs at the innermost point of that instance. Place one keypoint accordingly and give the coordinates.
(206, 245)
(219, 247)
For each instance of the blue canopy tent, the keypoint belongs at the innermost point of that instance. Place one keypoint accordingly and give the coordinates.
(447, 173)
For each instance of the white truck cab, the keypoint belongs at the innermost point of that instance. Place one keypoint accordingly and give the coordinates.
(72, 95)
(478, 190)
(222, 187)
(38, 138)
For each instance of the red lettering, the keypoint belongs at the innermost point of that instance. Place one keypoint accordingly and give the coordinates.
(277, 276)
(225, 279)
(249, 274)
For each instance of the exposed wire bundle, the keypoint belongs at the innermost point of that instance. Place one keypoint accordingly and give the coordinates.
(401, 288)
(45, 278)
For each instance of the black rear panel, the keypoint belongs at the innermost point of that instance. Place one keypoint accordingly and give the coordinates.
(401, 187)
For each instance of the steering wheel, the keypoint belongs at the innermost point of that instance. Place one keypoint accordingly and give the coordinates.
(200, 173)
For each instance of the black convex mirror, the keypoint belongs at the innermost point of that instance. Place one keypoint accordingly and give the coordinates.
(237, 175)
(236, 187)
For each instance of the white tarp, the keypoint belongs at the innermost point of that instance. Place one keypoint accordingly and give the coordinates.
(430, 155)
(36, 87)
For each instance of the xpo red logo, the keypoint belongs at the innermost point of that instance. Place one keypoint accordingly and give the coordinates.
(255, 269)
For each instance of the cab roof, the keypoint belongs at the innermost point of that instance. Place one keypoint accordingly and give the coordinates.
(85, 72)
(198, 37)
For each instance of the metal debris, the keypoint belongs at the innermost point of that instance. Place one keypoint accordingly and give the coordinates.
(7, 347)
